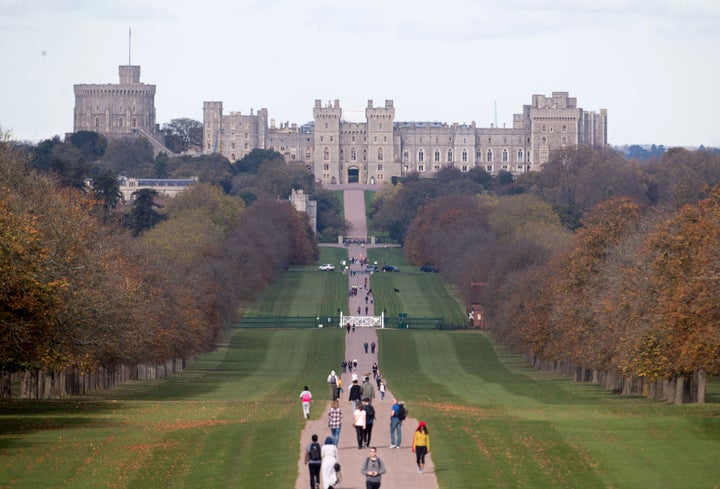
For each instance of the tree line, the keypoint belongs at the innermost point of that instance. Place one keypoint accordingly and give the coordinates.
(84, 297)
(598, 266)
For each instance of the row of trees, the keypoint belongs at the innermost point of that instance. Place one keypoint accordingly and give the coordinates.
(80, 293)
(595, 265)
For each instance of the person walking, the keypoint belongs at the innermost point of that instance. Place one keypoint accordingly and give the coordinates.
(355, 395)
(360, 421)
(335, 421)
(332, 382)
(421, 445)
(313, 459)
(372, 347)
(329, 461)
(369, 420)
(368, 390)
(382, 390)
(396, 424)
(306, 399)
(373, 468)
(339, 388)
(366, 346)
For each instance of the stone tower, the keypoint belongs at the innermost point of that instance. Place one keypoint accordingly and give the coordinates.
(212, 127)
(380, 147)
(327, 142)
(116, 110)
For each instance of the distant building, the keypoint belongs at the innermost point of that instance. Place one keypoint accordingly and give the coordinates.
(166, 187)
(119, 110)
(370, 152)
(302, 203)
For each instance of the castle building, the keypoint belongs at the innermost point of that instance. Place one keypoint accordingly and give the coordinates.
(118, 110)
(339, 151)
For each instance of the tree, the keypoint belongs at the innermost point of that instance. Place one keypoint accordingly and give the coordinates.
(183, 134)
(91, 144)
(143, 215)
(131, 156)
(106, 189)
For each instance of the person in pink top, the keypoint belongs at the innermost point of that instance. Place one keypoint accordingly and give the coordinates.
(306, 399)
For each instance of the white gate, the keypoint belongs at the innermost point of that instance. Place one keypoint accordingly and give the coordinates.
(363, 321)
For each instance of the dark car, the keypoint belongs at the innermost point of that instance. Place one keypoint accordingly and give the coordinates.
(371, 268)
(390, 268)
(429, 269)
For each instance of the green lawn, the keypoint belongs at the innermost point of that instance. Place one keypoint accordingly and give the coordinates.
(233, 418)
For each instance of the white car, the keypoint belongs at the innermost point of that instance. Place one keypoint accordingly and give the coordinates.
(327, 267)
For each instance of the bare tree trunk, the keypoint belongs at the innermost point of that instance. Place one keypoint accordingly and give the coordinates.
(700, 383)
(677, 398)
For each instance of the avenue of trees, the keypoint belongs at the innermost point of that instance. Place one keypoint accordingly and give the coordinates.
(596, 266)
(87, 302)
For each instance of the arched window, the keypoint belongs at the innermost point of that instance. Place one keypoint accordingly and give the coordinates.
(232, 157)
(436, 157)
(134, 122)
(353, 154)
(464, 156)
(489, 155)
(421, 155)
(406, 156)
(449, 156)
(380, 154)
(520, 156)
(563, 128)
(563, 141)
(543, 140)
(505, 155)
(326, 154)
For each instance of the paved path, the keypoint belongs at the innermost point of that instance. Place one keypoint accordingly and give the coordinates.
(400, 463)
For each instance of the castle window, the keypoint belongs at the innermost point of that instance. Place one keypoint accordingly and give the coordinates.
(331, 139)
(406, 156)
(232, 157)
(421, 167)
(381, 126)
(121, 123)
(375, 139)
(563, 128)
(489, 155)
(543, 128)
(380, 154)
(385, 139)
(342, 154)
(449, 156)
(505, 155)
(97, 122)
(134, 122)
(326, 154)
(421, 155)
(464, 156)
(478, 155)
(246, 146)
(353, 154)
(436, 157)
(464, 140)
(519, 156)
(464, 168)
(326, 125)
(543, 140)
(353, 139)
(326, 167)
(322, 138)
(380, 167)
(364, 155)
(307, 154)
(563, 141)
(232, 145)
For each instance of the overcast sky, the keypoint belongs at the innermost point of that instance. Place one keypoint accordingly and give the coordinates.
(654, 65)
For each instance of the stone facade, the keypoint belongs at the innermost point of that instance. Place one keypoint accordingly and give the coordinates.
(370, 152)
(115, 110)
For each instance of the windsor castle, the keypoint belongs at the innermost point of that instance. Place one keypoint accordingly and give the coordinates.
(341, 151)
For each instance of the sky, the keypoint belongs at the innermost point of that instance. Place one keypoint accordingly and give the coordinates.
(653, 64)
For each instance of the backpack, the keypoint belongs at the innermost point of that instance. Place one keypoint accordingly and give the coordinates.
(333, 379)
(369, 414)
(402, 412)
(315, 453)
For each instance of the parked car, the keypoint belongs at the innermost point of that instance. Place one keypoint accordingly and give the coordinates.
(371, 268)
(390, 268)
(327, 267)
(429, 269)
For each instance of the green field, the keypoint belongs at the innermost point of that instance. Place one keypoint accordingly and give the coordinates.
(232, 418)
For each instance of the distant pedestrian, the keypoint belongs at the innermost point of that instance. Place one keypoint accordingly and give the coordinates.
(329, 461)
(421, 445)
(339, 388)
(382, 390)
(368, 390)
(353, 327)
(335, 421)
(332, 383)
(372, 350)
(348, 327)
(355, 395)
(360, 420)
(366, 346)
(313, 459)
(306, 399)
(354, 364)
(369, 421)
(373, 468)
(366, 310)
(397, 416)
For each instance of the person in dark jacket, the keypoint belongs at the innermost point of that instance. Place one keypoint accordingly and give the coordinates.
(355, 394)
